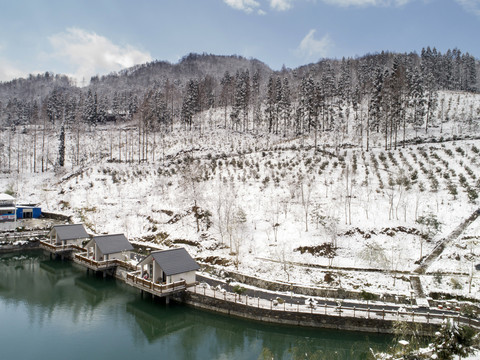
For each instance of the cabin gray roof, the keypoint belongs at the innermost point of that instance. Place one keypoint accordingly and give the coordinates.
(175, 261)
(111, 244)
(70, 232)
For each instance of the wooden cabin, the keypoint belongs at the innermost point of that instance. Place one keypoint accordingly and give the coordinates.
(109, 247)
(169, 266)
(73, 234)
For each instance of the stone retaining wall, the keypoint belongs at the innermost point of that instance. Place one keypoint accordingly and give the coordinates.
(49, 215)
(300, 290)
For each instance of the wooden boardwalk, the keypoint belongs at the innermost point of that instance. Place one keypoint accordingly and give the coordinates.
(82, 259)
(283, 305)
(159, 290)
(59, 249)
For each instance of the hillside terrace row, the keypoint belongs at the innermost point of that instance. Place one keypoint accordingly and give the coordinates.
(161, 273)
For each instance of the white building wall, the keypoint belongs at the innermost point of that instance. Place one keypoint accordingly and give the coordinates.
(188, 276)
(98, 254)
(157, 273)
(124, 255)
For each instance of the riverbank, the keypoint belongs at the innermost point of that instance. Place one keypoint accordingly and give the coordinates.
(327, 317)
(329, 313)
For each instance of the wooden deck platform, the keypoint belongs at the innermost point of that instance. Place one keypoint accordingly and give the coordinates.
(91, 264)
(59, 249)
(159, 290)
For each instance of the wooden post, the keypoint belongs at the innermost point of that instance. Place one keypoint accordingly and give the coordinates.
(354, 311)
(368, 312)
(325, 308)
(298, 305)
(383, 314)
(428, 317)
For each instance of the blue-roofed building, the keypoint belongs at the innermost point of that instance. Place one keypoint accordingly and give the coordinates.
(9, 211)
(28, 212)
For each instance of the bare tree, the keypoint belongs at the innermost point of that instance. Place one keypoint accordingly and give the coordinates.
(238, 229)
(305, 193)
(224, 207)
(349, 186)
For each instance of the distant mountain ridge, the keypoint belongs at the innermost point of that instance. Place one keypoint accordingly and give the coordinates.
(202, 81)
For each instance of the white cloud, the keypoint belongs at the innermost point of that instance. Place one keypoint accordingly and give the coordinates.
(310, 47)
(281, 5)
(8, 71)
(244, 5)
(470, 6)
(347, 3)
(93, 54)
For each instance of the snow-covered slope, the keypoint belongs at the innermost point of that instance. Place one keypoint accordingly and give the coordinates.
(270, 206)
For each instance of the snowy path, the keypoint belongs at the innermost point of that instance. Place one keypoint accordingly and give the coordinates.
(343, 309)
(437, 251)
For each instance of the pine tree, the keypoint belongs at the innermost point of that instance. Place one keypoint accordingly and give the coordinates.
(226, 93)
(416, 98)
(257, 116)
(285, 105)
(270, 104)
(61, 147)
(89, 113)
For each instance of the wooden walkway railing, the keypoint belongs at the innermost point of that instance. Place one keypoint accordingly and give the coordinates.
(284, 305)
(59, 248)
(102, 265)
(153, 288)
(14, 236)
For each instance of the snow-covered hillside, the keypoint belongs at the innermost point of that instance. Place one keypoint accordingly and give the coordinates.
(272, 207)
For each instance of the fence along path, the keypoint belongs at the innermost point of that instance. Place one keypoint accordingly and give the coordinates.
(341, 311)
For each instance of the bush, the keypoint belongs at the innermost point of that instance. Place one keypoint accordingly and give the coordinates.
(456, 284)
(237, 289)
(368, 296)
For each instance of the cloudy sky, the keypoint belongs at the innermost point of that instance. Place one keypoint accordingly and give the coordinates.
(82, 38)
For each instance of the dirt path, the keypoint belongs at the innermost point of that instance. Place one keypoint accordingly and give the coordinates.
(437, 251)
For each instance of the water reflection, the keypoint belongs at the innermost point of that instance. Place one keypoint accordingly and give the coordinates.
(58, 307)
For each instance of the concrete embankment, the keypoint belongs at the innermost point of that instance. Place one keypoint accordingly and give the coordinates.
(13, 247)
(294, 318)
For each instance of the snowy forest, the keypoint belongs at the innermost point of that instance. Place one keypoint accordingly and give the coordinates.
(383, 93)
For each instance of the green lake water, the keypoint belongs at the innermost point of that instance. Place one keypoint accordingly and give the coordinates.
(51, 309)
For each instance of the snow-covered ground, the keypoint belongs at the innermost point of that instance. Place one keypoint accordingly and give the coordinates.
(270, 207)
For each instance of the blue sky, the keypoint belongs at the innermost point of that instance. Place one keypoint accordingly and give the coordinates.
(87, 37)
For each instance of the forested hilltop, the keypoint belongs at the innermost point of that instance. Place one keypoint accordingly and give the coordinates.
(384, 92)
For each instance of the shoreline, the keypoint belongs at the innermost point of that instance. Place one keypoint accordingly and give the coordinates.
(328, 317)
